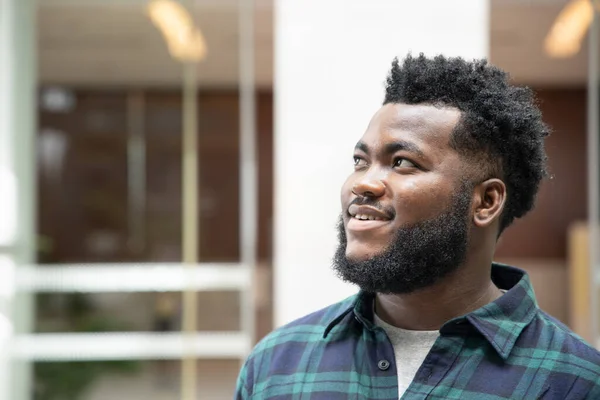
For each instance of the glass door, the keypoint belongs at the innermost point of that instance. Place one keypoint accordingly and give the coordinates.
(152, 147)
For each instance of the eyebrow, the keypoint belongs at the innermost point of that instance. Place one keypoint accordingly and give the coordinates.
(391, 148)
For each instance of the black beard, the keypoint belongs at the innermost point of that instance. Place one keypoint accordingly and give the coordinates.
(418, 256)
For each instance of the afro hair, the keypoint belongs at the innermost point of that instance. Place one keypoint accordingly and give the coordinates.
(500, 129)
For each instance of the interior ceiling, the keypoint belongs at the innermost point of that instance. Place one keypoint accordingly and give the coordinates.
(100, 43)
(518, 29)
(113, 43)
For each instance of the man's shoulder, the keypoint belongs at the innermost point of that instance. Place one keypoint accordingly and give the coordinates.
(307, 329)
(569, 347)
(279, 353)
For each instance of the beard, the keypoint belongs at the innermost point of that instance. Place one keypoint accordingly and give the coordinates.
(418, 256)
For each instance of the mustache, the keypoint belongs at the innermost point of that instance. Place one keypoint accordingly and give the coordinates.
(368, 201)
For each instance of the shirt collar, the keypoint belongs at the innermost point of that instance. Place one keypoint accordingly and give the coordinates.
(499, 322)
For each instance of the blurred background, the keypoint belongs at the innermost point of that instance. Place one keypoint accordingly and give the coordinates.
(170, 173)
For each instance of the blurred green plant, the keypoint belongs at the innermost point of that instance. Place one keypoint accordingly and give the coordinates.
(70, 380)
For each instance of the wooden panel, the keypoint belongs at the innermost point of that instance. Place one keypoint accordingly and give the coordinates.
(579, 281)
(562, 200)
(265, 176)
(548, 277)
(94, 177)
(82, 204)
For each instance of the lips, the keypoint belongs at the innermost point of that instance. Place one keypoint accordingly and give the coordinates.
(367, 213)
(366, 218)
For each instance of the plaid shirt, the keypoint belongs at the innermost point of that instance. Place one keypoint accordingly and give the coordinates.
(508, 349)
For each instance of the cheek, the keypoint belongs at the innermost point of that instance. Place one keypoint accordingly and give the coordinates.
(420, 199)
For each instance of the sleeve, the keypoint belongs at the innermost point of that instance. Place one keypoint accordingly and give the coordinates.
(594, 392)
(242, 392)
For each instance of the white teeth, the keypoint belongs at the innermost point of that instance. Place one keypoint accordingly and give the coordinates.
(366, 217)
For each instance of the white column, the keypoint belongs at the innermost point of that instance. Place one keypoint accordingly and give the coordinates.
(8, 207)
(17, 180)
(331, 61)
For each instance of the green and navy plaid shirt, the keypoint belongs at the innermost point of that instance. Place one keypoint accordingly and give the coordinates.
(508, 349)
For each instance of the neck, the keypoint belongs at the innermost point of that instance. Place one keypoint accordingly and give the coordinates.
(467, 289)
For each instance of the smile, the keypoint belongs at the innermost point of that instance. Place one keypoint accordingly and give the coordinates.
(368, 213)
(358, 225)
(365, 218)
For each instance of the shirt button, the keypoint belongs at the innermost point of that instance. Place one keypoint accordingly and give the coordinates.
(383, 365)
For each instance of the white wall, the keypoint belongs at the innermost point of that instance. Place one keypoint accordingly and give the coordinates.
(331, 61)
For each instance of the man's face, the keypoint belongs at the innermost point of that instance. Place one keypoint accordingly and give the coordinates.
(405, 212)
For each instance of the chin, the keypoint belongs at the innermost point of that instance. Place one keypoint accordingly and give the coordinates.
(360, 252)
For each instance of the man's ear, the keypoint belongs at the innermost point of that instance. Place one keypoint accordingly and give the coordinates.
(489, 201)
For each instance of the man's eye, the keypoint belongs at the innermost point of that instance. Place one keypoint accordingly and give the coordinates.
(403, 163)
(359, 161)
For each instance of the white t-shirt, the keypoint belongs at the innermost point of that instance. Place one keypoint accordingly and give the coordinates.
(410, 349)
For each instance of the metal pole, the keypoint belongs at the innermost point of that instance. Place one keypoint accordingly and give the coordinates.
(248, 164)
(593, 176)
(136, 172)
(190, 224)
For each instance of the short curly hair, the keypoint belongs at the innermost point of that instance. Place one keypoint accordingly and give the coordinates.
(501, 127)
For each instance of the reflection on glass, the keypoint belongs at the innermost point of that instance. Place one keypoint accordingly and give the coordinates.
(110, 178)
(130, 379)
(86, 187)
(133, 312)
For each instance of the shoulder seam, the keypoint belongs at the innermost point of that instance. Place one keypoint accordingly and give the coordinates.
(564, 329)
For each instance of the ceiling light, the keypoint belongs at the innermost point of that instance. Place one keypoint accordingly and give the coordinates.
(184, 40)
(569, 29)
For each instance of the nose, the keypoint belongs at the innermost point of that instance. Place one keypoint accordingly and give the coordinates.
(369, 186)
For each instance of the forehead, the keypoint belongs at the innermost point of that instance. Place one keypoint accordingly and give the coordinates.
(426, 124)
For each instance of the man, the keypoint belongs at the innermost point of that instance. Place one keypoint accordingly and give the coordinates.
(453, 156)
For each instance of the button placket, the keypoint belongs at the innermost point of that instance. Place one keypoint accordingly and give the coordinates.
(383, 365)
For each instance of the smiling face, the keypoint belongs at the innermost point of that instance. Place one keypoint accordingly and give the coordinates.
(406, 207)
(406, 169)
